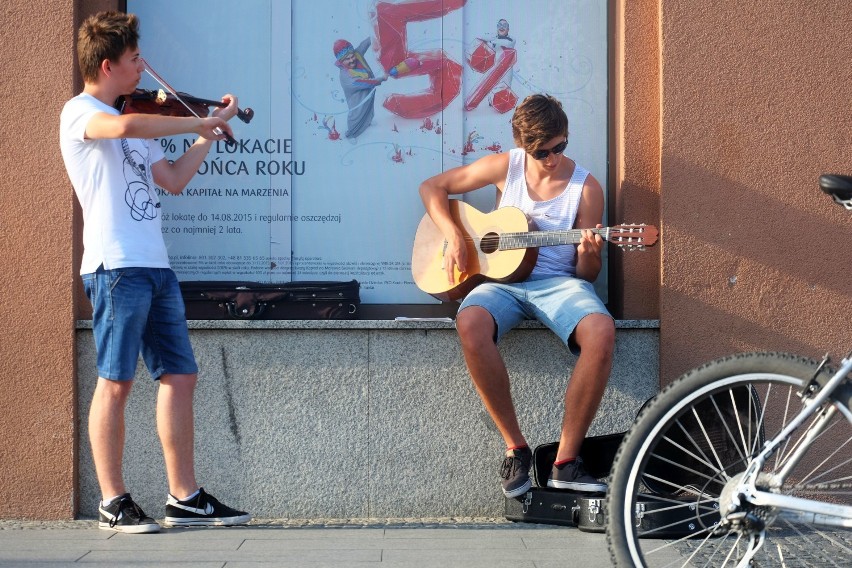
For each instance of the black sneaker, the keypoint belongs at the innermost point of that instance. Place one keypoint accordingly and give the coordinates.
(573, 476)
(515, 472)
(124, 515)
(203, 510)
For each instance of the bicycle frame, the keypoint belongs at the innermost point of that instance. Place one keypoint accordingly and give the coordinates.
(816, 512)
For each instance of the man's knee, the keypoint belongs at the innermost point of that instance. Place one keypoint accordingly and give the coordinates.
(475, 325)
(596, 334)
(180, 382)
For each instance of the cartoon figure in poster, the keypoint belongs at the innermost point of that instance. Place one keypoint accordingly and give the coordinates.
(502, 39)
(359, 85)
(494, 57)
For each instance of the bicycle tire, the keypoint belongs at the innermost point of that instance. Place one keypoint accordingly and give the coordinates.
(652, 452)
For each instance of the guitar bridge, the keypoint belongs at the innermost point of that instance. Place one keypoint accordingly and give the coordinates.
(444, 252)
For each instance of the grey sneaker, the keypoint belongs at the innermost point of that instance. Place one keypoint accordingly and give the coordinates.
(573, 476)
(122, 514)
(515, 472)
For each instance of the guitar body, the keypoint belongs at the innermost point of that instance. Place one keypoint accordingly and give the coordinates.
(484, 261)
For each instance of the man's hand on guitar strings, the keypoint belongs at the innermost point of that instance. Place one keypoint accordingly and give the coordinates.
(455, 255)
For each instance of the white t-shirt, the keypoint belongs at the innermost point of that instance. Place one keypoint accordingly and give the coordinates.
(557, 214)
(112, 178)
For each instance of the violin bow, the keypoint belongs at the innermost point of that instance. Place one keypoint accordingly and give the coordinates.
(150, 70)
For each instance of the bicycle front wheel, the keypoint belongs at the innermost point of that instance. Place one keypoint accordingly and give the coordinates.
(680, 457)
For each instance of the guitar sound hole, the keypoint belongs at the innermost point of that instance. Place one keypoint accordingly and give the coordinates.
(489, 243)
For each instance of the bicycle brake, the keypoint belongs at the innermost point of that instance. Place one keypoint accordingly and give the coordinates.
(812, 386)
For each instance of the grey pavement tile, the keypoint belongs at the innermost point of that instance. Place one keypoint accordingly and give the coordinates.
(54, 534)
(461, 532)
(587, 559)
(110, 562)
(473, 542)
(180, 557)
(417, 563)
(538, 558)
(122, 542)
(299, 533)
(43, 554)
(575, 539)
(596, 562)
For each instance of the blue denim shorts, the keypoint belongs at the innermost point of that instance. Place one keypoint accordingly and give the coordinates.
(559, 302)
(139, 310)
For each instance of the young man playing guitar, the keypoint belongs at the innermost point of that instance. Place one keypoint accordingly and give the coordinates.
(557, 194)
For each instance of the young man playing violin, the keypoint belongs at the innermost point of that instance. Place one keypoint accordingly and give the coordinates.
(557, 194)
(114, 164)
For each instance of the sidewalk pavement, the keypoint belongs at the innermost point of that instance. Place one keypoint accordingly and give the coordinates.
(444, 543)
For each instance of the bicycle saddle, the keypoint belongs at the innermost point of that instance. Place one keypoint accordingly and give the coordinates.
(837, 185)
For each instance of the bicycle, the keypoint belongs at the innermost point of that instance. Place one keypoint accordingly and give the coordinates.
(754, 450)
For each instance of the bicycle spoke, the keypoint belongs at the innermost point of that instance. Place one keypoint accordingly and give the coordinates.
(738, 421)
(783, 450)
(683, 467)
(799, 439)
(814, 545)
(823, 462)
(703, 458)
(736, 547)
(709, 442)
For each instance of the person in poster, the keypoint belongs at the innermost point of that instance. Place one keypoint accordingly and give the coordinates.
(358, 83)
(502, 39)
(113, 164)
(558, 194)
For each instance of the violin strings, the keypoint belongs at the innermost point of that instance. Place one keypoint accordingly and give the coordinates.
(166, 86)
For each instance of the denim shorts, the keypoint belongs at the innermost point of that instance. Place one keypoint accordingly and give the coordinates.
(139, 310)
(559, 302)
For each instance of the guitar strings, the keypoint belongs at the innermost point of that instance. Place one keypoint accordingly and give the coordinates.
(620, 236)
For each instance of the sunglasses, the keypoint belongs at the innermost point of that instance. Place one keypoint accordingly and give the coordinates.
(544, 153)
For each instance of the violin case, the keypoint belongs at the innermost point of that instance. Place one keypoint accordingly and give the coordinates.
(307, 300)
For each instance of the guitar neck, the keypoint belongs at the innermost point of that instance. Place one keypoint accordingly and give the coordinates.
(534, 239)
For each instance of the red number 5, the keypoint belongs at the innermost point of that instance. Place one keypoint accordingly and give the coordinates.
(444, 73)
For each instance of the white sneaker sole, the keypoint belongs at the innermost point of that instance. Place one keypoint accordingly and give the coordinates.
(519, 491)
(130, 529)
(583, 487)
(201, 522)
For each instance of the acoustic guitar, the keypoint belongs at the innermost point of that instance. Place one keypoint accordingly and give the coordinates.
(502, 246)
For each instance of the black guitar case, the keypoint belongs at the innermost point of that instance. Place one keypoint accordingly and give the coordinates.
(546, 505)
(659, 514)
(669, 517)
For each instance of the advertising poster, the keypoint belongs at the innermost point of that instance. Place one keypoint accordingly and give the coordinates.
(355, 103)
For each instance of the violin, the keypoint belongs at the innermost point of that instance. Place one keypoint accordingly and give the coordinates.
(173, 103)
(145, 101)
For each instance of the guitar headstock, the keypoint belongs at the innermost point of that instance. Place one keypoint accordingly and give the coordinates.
(633, 237)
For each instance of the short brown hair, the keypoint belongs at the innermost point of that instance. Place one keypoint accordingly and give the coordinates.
(106, 35)
(537, 120)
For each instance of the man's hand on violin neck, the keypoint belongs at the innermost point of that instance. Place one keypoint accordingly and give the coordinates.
(227, 112)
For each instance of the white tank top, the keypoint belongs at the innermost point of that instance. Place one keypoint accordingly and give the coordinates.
(557, 214)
